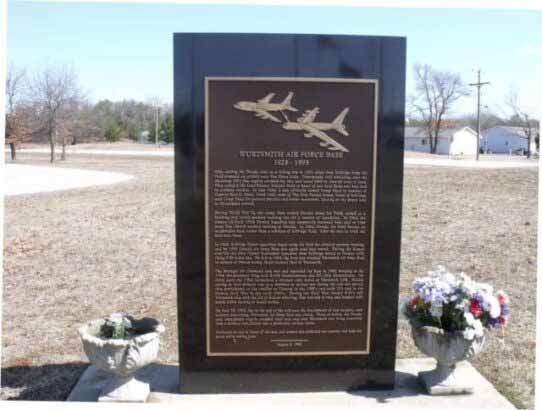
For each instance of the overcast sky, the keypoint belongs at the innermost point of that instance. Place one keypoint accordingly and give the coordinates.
(125, 50)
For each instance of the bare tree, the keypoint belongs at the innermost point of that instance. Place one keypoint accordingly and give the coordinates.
(436, 92)
(488, 119)
(64, 129)
(523, 118)
(16, 131)
(70, 120)
(15, 78)
(54, 90)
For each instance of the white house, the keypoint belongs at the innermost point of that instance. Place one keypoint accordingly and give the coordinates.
(451, 141)
(507, 140)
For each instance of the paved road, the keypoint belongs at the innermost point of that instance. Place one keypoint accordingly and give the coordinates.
(434, 162)
(465, 163)
(30, 179)
(142, 153)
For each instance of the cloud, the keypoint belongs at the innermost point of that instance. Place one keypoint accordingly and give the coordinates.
(531, 50)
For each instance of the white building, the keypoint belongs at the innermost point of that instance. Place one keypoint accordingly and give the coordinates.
(451, 141)
(507, 140)
(144, 137)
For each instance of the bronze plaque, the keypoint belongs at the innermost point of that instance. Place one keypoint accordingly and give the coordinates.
(290, 177)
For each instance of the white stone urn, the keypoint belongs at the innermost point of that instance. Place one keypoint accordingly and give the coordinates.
(122, 357)
(447, 348)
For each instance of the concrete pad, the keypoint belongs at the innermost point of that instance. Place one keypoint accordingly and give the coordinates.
(164, 380)
(29, 179)
(467, 163)
(165, 153)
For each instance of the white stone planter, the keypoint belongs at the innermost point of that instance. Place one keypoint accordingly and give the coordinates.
(447, 348)
(122, 357)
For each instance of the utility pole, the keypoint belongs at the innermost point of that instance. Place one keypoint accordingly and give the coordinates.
(478, 85)
(156, 125)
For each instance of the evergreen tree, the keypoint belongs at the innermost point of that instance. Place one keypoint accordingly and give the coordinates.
(165, 132)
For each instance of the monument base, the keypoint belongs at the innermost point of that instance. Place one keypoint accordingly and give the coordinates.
(408, 392)
(124, 390)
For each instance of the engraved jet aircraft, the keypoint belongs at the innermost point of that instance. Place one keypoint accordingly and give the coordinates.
(262, 107)
(316, 129)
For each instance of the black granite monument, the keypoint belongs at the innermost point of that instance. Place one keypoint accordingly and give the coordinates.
(288, 186)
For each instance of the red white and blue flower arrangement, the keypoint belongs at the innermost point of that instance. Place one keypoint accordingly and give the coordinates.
(456, 303)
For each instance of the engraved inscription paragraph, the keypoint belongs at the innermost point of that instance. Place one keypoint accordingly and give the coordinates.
(289, 231)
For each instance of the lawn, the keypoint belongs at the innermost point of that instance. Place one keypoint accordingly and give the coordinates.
(76, 255)
(483, 223)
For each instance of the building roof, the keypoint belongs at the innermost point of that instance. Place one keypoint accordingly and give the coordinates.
(509, 130)
(419, 132)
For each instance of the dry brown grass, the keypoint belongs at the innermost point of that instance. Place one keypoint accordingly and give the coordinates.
(80, 254)
(71, 256)
(483, 223)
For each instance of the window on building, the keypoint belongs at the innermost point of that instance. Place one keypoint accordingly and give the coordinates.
(423, 141)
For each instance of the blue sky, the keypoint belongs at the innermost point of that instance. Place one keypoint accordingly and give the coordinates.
(125, 50)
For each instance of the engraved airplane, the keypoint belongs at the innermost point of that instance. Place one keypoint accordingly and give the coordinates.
(262, 107)
(316, 129)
